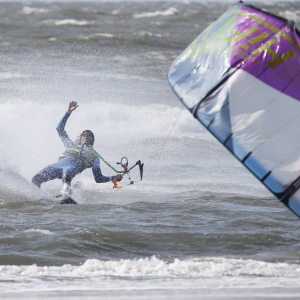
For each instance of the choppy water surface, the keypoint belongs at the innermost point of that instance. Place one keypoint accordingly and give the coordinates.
(198, 224)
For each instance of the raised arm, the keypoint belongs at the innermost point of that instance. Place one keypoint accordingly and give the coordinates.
(61, 125)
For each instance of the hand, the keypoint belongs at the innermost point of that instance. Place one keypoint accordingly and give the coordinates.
(118, 177)
(72, 106)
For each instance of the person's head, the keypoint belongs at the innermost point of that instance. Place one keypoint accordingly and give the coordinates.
(87, 137)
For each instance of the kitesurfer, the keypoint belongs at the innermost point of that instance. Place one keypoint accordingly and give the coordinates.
(77, 156)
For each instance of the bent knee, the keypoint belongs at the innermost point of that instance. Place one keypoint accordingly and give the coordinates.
(36, 180)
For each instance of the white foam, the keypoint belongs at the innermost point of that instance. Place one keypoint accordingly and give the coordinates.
(14, 186)
(156, 56)
(169, 12)
(148, 34)
(36, 144)
(154, 267)
(26, 10)
(150, 274)
(37, 232)
(97, 35)
(291, 15)
(8, 75)
(67, 22)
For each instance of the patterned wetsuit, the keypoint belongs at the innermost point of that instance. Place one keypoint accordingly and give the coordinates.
(71, 162)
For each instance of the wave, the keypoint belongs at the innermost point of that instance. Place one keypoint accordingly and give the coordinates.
(291, 15)
(15, 188)
(208, 275)
(169, 12)
(97, 35)
(26, 10)
(148, 34)
(9, 75)
(153, 267)
(67, 22)
(36, 232)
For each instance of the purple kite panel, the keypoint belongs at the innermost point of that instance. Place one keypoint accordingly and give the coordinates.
(269, 49)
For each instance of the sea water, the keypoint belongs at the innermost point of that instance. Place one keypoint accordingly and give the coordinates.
(197, 226)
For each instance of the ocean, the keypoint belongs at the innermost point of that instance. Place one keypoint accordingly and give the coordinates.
(198, 226)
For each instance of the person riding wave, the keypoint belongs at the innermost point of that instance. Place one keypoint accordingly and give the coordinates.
(78, 156)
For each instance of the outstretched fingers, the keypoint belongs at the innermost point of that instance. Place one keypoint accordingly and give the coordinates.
(72, 106)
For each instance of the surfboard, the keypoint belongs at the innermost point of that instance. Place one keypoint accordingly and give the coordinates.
(59, 199)
(65, 200)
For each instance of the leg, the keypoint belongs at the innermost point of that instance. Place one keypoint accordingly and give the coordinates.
(69, 172)
(65, 169)
(49, 173)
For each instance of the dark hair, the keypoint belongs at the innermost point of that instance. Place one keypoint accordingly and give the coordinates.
(90, 138)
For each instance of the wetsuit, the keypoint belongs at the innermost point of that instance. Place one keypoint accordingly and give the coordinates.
(73, 161)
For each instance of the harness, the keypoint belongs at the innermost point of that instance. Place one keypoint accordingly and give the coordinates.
(83, 153)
